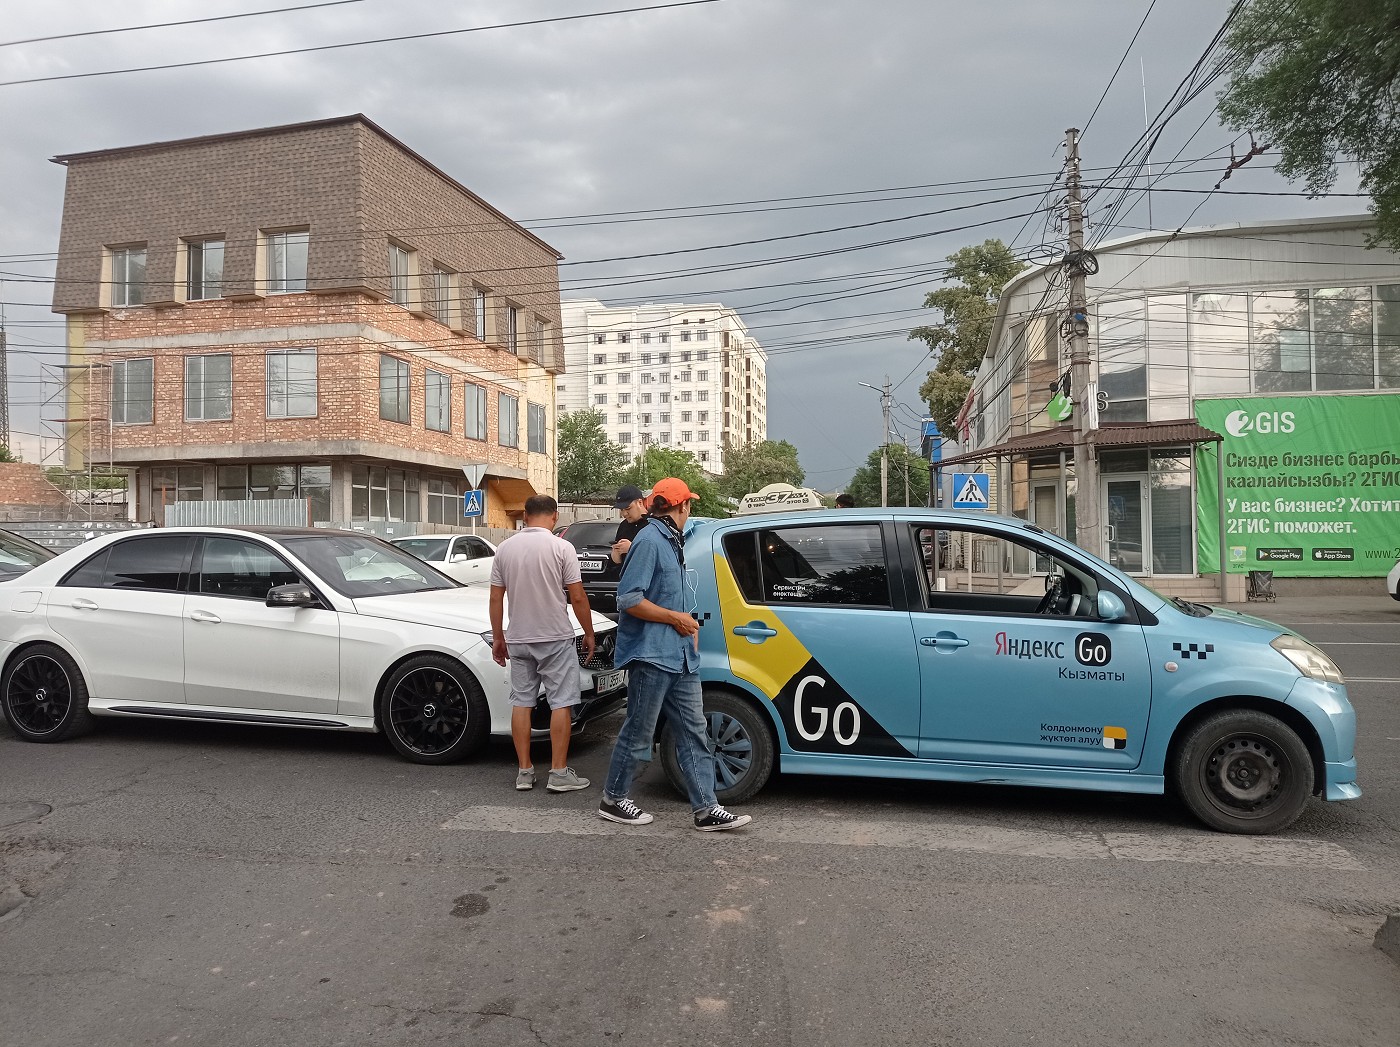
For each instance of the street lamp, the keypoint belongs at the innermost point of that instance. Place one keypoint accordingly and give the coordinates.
(885, 399)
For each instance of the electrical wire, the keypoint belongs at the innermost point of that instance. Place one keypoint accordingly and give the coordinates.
(167, 25)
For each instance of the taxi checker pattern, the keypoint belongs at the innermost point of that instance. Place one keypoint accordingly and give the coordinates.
(1192, 650)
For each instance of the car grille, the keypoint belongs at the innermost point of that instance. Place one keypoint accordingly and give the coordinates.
(603, 647)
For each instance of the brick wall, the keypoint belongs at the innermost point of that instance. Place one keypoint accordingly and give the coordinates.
(23, 484)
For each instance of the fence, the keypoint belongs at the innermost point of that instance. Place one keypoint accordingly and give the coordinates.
(270, 512)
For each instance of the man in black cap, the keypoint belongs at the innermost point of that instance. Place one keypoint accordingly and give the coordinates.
(631, 503)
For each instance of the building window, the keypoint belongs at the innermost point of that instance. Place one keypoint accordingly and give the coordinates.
(684, 376)
(664, 358)
(540, 337)
(704, 435)
(475, 411)
(133, 391)
(624, 438)
(625, 418)
(512, 330)
(624, 398)
(685, 336)
(624, 358)
(600, 379)
(393, 389)
(600, 339)
(704, 456)
(400, 268)
(285, 261)
(644, 398)
(237, 483)
(291, 383)
(128, 276)
(701, 355)
(685, 416)
(444, 295)
(646, 337)
(703, 395)
(685, 396)
(645, 360)
(383, 494)
(702, 335)
(664, 398)
(599, 359)
(646, 419)
(664, 336)
(623, 337)
(437, 401)
(507, 420)
(204, 269)
(209, 388)
(171, 484)
(479, 305)
(534, 428)
(600, 399)
(665, 417)
(666, 438)
(646, 377)
(685, 436)
(602, 418)
(703, 376)
(624, 378)
(444, 502)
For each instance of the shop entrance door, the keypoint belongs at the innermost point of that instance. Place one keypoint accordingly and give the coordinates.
(1124, 512)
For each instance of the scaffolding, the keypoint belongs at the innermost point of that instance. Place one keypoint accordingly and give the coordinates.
(76, 412)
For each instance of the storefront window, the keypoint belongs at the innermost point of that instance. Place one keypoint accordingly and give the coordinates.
(1168, 372)
(1388, 334)
(383, 494)
(1342, 330)
(1122, 356)
(1172, 544)
(1282, 347)
(1218, 342)
(183, 483)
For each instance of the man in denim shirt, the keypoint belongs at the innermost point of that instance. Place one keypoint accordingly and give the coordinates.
(658, 644)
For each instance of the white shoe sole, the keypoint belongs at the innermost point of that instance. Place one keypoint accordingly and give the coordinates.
(645, 819)
(570, 788)
(740, 819)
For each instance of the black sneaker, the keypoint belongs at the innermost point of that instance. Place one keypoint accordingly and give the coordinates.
(624, 811)
(717, 818)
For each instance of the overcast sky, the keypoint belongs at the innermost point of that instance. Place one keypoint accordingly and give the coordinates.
(731, 102)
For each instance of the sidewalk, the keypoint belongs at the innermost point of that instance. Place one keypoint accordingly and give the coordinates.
(1326, 608)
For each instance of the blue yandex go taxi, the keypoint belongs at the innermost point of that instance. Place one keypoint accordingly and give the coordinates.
(920, 643)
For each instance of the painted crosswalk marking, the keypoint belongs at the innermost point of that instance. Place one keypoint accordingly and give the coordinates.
(1197, 848)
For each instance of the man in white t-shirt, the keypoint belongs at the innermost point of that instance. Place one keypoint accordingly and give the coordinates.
(536, 568)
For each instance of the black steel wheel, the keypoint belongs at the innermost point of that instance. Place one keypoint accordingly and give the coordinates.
(433, 711)
(44, 696)
(1244, 772)
(743, 747)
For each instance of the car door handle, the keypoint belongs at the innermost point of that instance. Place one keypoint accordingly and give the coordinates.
(943, 641)
(83, 604)
(755, 632)
(205, 616)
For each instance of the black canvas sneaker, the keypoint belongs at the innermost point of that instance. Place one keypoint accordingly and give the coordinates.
(624, 811)
(716, 818)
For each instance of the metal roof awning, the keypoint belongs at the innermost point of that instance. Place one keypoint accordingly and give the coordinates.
(1116, 435)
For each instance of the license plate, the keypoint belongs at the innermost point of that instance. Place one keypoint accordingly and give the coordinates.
(609, 681)
(590, 565)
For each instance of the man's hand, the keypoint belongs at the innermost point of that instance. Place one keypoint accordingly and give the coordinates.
(619, 549)
(498, 649)
(684, 624)
(588, 645)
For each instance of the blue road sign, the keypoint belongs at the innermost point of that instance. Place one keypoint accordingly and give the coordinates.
(474, 503)
(970, 491)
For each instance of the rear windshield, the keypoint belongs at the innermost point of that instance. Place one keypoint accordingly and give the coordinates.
(424, 548)
(591, 533)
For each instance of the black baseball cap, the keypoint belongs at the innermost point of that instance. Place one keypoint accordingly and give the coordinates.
(626, 495)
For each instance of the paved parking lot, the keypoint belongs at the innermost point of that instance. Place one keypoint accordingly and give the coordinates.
(196, 884)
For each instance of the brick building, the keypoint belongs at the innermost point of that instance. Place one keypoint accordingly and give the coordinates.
(312, 311)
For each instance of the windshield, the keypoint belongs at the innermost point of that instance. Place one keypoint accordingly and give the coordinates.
(424, 548)
(591, 533)
(17, 552)
(362, 565)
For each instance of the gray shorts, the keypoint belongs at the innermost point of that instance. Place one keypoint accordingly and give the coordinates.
(553, 664)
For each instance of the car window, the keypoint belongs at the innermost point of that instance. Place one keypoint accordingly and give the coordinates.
(588, 533)
(842, 564)
(424, 548)
(965, 569)
(155, 563)
(361, 565)
(475, 548)
(241, 569)
(22, 554)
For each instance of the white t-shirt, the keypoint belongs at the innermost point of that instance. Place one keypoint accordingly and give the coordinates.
(534, 565)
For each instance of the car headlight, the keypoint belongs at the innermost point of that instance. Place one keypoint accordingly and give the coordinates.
(488, 637)
(1307, 659)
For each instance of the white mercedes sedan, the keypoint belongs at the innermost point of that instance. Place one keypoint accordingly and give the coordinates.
(464, 557)
(293, 627)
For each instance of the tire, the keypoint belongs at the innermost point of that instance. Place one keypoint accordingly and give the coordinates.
(1244, 772)
(743, 744)
(433, 711)
(44, 695)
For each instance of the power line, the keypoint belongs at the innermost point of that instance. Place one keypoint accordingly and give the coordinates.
(1118, 68)
(357, 43)
(167, 25)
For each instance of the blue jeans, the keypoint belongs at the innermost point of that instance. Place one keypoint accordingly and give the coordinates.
(649, 690)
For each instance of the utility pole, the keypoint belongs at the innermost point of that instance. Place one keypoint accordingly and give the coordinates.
(885, 400)
(1079, 264)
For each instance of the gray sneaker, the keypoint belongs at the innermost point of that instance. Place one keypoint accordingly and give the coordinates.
(525, 778)
(565, 781)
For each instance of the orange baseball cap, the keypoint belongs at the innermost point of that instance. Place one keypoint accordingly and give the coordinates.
(673, 492)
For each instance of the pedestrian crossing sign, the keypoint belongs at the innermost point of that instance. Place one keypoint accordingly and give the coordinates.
(474, 503)
(970, 491)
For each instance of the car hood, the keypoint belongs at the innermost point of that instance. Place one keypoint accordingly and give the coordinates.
(1226, 615)
(467, 609)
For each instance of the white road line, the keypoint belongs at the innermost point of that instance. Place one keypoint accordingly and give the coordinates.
(1202, 848)
(1373, 679)
(1358, 643)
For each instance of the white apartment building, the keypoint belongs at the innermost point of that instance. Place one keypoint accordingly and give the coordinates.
(688, 376)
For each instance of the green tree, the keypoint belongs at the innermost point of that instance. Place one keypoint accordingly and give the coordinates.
(589, 463)
(6, 455)
(748, 467)
(1320, 80)
(968, 303)
(865, 484)
(654, 463)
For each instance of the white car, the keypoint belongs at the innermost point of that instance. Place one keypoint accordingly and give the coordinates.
(1392, 582)
(294, 627)
(462, 556)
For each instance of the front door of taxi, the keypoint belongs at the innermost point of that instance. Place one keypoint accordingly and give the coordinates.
(810, 623)
(1008, 679)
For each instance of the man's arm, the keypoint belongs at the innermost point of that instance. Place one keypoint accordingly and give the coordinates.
(637, 573)
(498, 628)
(677, 620)
(578, 600)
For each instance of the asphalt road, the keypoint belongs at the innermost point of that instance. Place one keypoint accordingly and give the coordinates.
(186, 884)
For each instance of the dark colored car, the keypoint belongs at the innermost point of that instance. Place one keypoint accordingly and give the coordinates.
(593, 539)
(19, 555)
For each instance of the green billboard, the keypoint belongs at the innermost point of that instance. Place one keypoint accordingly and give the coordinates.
(1312, 485)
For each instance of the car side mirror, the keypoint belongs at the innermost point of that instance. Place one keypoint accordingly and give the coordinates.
(459, 558)
(293, 594)
(1111, 607)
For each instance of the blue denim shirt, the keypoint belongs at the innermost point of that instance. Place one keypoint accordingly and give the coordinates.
(653, 571)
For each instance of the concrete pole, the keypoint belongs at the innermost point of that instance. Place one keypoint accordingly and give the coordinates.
(1088, 534)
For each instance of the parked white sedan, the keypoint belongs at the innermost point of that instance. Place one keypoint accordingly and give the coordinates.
(291, 627)
(462, 556)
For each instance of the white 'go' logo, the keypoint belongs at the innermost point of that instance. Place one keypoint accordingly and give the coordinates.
(848, 738)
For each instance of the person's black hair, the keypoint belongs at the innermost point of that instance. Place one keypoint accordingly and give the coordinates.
(540, 505)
